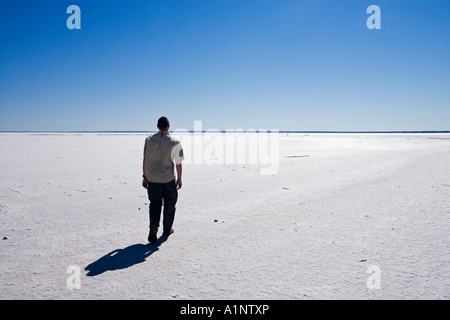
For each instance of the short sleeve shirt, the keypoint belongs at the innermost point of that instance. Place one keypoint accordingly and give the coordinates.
(161, 152)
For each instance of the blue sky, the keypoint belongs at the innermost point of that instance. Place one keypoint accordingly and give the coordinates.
(263, 64)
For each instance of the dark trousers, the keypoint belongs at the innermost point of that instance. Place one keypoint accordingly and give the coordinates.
(161, 194)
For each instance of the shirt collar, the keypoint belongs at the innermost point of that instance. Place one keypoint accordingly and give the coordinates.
(163, 133)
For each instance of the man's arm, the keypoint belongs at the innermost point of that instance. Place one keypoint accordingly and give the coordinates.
(179, 172)
(144, 178)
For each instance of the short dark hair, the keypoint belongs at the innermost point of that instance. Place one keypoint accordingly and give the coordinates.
(163, 122)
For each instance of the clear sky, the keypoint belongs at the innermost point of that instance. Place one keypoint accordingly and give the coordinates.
(262, 64)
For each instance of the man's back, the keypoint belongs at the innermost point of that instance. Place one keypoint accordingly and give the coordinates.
(160, 152)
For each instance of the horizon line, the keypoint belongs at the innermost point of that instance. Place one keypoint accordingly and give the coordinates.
(226, 131)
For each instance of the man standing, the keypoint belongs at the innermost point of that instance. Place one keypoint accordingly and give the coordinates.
(161, 150)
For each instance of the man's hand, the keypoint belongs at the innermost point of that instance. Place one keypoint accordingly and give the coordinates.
(179, 171)
(145, 182)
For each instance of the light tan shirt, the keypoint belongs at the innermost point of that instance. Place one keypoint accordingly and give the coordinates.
(160, 153)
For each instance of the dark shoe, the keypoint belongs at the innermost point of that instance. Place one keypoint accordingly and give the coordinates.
(168, 233)
(152, 236)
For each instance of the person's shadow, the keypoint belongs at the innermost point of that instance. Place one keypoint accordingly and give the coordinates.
(123, 258)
